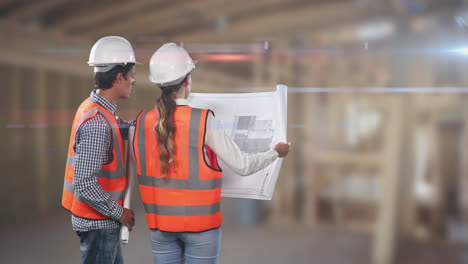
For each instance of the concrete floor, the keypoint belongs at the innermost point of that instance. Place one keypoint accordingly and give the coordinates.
(53, 241)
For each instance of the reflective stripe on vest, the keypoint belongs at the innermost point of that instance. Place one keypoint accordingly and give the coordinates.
(119, 173)
(111, 177)
(196, 206)
(193, 210)
(118, 195)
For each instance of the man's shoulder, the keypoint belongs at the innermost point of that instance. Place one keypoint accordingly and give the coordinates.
(96, 124)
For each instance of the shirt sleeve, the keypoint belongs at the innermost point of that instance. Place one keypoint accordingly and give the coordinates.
(93, 143)
(227, 150)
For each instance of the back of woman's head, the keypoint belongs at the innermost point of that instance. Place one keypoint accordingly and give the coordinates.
(165, 128)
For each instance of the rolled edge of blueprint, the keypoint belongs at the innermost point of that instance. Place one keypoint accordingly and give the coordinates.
(125, 234)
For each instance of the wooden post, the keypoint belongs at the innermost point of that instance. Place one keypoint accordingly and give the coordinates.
(64, 106)
(41, 141)
(309, 142)
(15, 140)
(15, 146)
(386, 233)
(283, 201)
(421, 75)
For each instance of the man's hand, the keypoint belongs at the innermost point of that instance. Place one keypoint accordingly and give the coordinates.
(127, 218)
(283, 149)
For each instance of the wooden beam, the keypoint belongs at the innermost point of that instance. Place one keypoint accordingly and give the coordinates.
(6, 2)
(44, 49)
(102, 18)
(33, 8)
(11, 5)
(340, 158)
(76, 65)
(229, 13)
(193, 15)
(277, 22)
(142, 21)
(21, 59)
(219, 78)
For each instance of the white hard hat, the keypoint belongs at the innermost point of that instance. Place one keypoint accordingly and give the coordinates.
(111, 51)
(169, 65)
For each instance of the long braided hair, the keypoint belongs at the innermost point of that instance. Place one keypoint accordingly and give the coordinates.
(164, 128)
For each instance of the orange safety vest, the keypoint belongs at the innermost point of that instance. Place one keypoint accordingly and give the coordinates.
(112, 177)
(189, 198)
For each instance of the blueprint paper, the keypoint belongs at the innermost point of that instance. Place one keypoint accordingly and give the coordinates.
(124, 235)
(256, 122)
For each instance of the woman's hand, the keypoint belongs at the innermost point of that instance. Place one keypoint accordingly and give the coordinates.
(283, 149)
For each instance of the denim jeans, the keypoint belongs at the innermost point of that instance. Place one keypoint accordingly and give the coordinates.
(191, 247)
(100, 246)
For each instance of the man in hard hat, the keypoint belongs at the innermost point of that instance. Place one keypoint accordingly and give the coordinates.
(95, 176)
(179, 176)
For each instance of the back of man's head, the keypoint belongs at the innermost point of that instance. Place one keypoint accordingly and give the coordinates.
(105, 80)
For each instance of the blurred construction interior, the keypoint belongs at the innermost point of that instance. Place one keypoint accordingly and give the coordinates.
(375, 176)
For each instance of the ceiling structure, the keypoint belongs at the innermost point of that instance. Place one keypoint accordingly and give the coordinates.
(59, 33)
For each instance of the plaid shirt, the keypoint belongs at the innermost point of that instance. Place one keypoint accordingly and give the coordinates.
(93, 149)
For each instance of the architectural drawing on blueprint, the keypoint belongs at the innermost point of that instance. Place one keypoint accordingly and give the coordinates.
(252, 135)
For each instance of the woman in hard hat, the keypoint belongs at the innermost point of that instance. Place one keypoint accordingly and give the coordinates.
(176, 148)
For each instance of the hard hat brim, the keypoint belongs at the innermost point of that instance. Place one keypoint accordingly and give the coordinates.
(93, 64)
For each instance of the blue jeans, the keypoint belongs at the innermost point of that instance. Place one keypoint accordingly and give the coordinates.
(191, 247)
(100, 246)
